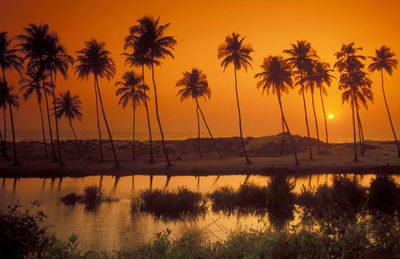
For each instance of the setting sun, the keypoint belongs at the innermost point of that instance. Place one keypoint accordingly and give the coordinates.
(331, 116)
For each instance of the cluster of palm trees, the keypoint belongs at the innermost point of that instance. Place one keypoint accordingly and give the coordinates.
(146, 46)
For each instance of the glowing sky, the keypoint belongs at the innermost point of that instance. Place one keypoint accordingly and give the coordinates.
(199, 28)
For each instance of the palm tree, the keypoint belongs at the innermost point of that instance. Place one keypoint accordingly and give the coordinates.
(139, 58)
(323, 76)
(31, 85)
(69, 107)
(132, 90)
(35, 44)
(151, 43)
(195, 85)
(94, 59)
(277, 78)
(12, 100)
(301, 58)
(56, 60)
(8, 60)
(384, 60)
(235, 52)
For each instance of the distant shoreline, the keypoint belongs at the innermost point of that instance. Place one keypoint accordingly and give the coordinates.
(336, 158)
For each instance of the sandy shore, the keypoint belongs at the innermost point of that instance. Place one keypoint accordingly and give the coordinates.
(264, 152)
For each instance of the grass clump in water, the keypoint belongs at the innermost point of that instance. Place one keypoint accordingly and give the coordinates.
(92, 197)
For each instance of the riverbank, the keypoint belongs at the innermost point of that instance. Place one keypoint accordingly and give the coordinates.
(264, 152)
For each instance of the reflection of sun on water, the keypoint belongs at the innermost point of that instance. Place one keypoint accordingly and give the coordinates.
(331, 116)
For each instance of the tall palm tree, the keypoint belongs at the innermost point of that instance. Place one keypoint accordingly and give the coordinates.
(12, 100)
(277, 78)
(69, 107)
(94, 59)
(384, 60)
(301, 58)
(139, 58)
(195, 85)
(56, 61)
(323, 77)
(357, 90)
(132, 90)
(8, 60)
(31, 84)
(35, 43)
(152, 44)
(235, 52)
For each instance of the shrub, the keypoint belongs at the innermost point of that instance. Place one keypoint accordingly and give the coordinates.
(384, 195)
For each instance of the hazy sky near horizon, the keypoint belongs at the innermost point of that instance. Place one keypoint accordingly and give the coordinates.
(199, 28)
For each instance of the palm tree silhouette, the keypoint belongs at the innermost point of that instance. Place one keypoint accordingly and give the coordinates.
(301, 58)
(35, 43)
(94, 59)
(277, 78)
(384, 60)
(235, 52)
(132, 90)
(69, 107)
(352, 77)
(31, 84)
(8, 60)
(12, 100)
(323, 76)
(139, 58)
(195, 85)
(151, 43)
(56, 60)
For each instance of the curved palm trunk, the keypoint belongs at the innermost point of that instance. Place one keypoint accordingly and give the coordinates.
(133, 131)
(117, 165)
(3, 147)
(283, 136)
(360, 133)
(287, 128)
(98, 122)
(158, 117)
(5, 122)
(308, 129)
(76, 139)
(43, 133)
(354, 130)
(209, 131)
(16, 162)
(316, 121)
(148, 120)
(198, 129)
(60, 160)
(323, 110)
(240, 121)
(390, 118)
(50, 131)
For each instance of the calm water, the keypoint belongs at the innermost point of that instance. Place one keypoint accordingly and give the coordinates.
(112, 226)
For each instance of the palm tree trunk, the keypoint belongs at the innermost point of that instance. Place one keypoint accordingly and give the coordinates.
(198, 129)
(287, 128)
(16, 162)
(76, 139)
(98, 121)
(158, 117)
(5, 122)
(148, 120)
(316, 121)
(117, 165)
(362, 136)
(308, 129)
(390, 118)
(43, 133)
(283, 136)
(3, 144)
(209, 131)
(354, 130)
(361, 133)
(133, 131)
(50, 131)
(248, 162)
(323, 110)
(60, 160)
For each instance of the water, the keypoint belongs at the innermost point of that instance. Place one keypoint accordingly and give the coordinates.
(112, 226)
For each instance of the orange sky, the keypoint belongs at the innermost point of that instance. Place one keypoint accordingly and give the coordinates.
(199, 28)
